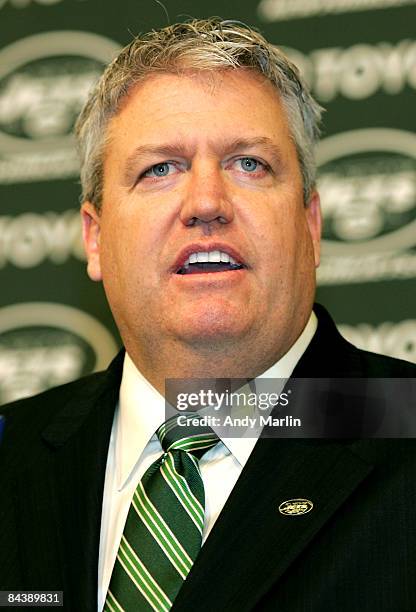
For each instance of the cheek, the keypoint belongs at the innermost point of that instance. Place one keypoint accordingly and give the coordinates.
(116, 251)
(130, 252)
(277, 235)
(286, 245)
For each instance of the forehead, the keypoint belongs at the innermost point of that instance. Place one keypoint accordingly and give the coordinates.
(169, 101)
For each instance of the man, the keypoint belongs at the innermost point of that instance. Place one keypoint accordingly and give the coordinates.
(201, 218)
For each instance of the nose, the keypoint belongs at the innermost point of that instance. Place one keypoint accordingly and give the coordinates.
(206, 201)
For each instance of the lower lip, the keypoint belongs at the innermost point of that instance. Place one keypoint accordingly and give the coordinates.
(212, 278)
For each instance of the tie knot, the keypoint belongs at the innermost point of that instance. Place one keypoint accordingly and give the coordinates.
(186, 434)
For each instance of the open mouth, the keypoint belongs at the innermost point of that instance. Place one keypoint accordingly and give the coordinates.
(203, 262)
(201, 268)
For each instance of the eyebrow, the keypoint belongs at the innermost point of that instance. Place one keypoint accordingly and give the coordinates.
(241, 144)
(142, 152)
(178, 148)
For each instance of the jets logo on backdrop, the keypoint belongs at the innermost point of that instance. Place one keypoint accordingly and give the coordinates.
(46, 344)
(44, 81)
(367, 182)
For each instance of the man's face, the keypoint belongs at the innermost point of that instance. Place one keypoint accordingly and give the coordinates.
(199, 165)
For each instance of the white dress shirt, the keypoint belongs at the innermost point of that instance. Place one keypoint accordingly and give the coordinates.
(134, 446)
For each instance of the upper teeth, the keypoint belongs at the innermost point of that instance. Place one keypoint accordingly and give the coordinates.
(211, 256)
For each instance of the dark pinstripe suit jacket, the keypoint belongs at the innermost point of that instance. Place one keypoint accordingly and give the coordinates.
(356, 550)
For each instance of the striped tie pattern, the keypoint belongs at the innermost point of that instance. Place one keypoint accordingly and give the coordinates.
(163, 531)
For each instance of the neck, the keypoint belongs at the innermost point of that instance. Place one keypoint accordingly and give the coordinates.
(174, 359)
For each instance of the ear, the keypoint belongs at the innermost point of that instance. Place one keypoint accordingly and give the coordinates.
(314, 220)
(91, 236)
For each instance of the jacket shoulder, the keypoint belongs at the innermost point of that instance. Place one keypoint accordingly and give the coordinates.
(52, 400)
(374, 364)
(330, 354)
(26, 419)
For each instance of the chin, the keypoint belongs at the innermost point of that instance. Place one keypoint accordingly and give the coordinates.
(211, 329)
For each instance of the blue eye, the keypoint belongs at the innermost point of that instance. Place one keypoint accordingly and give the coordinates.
(158, 170)
(249, 164)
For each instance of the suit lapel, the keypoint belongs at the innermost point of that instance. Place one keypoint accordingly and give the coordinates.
(63, 495)
(252, 543)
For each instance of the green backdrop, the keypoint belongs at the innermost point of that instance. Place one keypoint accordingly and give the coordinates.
(359, 57)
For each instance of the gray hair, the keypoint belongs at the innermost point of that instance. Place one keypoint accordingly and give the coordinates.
(206, 44)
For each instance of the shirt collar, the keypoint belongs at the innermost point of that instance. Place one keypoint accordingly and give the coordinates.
(141, 409)
(241, 448)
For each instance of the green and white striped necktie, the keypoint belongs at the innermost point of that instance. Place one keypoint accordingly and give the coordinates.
(163, 532)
